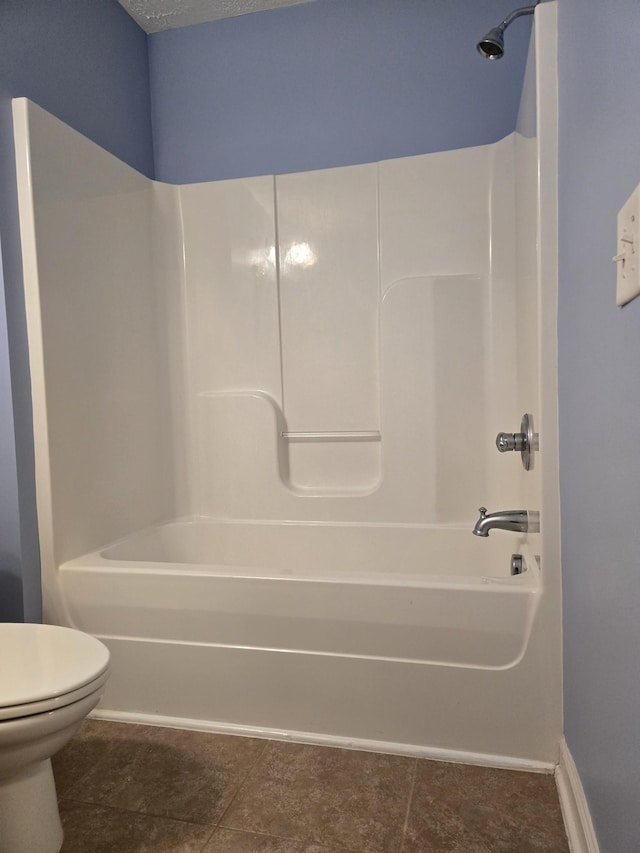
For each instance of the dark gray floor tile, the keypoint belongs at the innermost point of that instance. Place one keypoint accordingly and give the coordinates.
(334, 797)
(173, 773)
(234, 841)
(468, 809)
(83, 752)
(297, 799)
(98, 829)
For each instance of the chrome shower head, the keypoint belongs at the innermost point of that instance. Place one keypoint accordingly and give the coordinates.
(492, 45)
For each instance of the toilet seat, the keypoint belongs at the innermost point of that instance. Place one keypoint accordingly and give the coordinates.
(29, 709)
(43, 667)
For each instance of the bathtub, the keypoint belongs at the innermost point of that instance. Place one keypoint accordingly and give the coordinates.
(402, 637)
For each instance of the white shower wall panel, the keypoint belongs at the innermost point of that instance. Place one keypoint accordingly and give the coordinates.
(429, 395)
(329, 293)
(453, 213)
(228, 234)
(329, 300)
(461, 348)
(527, 296)
(284, 283)
(367, 298)
(428, 454)
(231, 313)
(434, 215)
(99, 367)
(501, 377)
(93, 310)
(169, 275)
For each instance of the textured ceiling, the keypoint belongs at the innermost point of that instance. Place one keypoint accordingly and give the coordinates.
(156, 15)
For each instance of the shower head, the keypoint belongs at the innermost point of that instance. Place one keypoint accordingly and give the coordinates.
(492, 45)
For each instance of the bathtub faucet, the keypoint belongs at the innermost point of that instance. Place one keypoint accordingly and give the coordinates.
(519, 520)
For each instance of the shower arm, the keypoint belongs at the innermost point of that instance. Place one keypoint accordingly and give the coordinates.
(517, 13)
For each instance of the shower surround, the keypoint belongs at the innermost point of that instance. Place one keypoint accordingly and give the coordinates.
(264, 416)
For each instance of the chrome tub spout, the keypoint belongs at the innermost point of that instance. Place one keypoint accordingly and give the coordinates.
(519, 520)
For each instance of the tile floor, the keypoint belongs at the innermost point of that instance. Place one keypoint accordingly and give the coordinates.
(140, 789)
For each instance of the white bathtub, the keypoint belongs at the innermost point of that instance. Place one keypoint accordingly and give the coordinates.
(397, 636)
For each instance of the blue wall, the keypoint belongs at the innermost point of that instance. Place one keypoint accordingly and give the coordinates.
(330, 83)
(599, 386)
(86, 62)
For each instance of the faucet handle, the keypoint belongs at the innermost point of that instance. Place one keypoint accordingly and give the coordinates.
(525, 442)
(483, 511)
(506, 441)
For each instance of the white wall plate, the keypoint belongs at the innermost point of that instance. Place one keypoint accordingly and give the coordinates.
(627, 258)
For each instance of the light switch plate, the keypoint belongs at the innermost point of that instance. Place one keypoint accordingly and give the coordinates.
(628, 256)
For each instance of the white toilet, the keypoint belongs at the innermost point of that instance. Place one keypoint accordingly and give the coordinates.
(50, 679)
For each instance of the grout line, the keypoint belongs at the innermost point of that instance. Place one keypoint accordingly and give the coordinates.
(208, 838)
(321, 844)
(98, 804)
(409, 804)
(242, 784)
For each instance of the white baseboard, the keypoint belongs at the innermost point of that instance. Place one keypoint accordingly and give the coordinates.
(575, 810)
(418, 751)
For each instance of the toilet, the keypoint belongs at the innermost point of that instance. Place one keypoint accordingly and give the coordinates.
(50, 679)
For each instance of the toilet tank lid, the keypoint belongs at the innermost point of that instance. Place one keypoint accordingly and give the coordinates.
(42, 661)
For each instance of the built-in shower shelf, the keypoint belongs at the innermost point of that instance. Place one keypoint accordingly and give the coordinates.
(362, 435)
